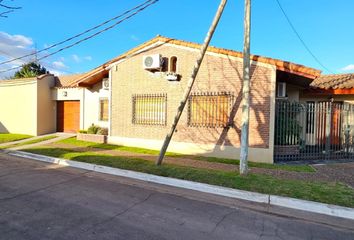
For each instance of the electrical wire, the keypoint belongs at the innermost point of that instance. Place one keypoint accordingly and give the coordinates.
(300, 38)
(84, 32)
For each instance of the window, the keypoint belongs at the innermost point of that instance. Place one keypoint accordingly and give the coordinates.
(149, 109)
(104, 109)
(281, 89)
(209, 110)
(165, 64)
(173, 64)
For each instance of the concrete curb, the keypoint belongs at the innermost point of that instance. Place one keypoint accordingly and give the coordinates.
(292, 203)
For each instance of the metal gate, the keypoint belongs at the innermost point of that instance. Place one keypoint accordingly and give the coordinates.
(314, 131)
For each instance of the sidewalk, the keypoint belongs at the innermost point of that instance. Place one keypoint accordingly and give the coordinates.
(60, 136)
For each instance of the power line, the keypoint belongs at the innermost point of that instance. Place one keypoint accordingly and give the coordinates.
(91, 36)
(48, 64)
(300, 38)
(82, 33)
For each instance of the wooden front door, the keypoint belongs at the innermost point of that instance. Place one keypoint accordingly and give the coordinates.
(68, 116)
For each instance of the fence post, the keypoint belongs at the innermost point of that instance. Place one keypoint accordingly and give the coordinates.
(328, 127)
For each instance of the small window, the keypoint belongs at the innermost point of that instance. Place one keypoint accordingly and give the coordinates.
(165, 64)
(209, 110)
(173, 64)
(149, 109)
(281, 89)
(104, 109)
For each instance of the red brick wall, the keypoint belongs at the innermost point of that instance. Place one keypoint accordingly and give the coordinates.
(217, 74)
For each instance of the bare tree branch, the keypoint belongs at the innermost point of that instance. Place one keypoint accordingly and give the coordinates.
(10, 9)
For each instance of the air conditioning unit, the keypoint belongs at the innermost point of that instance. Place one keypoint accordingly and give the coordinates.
(152, 62)
(105, 84)
(281, 90)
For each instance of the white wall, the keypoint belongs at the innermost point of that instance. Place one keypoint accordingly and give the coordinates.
(89, 103)
(91, 111)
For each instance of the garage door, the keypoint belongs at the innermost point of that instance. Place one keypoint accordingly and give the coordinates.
(68, 116)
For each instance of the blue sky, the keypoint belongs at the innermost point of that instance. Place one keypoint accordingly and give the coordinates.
(325, 25)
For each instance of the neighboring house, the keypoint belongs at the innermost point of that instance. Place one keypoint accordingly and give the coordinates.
(318, 121)
(47, 104)
(145, 94)
(26, 106)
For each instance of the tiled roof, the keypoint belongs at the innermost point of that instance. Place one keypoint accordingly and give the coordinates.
(66, 80)
(279, 64)
(334, 81)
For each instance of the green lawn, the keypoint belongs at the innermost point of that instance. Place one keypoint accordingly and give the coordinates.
(30, 142)
(74, 141)
(332, 193)
(11, 137)
(296, 168)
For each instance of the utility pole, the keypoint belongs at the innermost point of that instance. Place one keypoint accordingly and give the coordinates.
(191, 80)
(245, 91)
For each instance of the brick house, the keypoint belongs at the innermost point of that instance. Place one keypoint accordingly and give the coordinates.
(144, 98)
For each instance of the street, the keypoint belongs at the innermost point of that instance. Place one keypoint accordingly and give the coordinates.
(44, 201)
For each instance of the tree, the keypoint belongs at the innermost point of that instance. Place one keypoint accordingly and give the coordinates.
(31, 69)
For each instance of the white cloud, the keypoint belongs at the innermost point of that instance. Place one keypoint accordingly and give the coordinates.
(88, 58)
(15, 40)
(14, 46)
(59, 64)
(348, 68)
(79, 59)
(76, 58)
(134, 38)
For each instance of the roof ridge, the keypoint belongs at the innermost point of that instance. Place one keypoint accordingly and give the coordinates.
(281, 65)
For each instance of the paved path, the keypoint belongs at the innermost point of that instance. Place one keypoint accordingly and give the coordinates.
(61, 136)
(42, 201)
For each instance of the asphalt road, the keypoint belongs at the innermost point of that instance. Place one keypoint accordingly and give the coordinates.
(43, 201)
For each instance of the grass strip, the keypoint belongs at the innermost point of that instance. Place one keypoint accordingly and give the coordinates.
(37, 140)
(295, 168)
(331, 193)
(11, 137)
(79, 143)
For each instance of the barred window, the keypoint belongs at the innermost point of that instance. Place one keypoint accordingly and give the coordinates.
(149, 109)
(209, 109)
(103, 109)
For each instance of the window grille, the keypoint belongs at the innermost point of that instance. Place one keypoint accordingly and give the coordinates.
(209, 109)
(149, 109)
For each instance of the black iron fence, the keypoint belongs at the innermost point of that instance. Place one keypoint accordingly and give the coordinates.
(314, 131)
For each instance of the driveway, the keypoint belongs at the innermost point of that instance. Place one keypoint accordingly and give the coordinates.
(43, 201)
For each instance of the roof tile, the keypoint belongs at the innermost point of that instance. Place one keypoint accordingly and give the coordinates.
(334, 81)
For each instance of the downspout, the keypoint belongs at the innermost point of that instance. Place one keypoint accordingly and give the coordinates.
(110, 103)
(83, 108)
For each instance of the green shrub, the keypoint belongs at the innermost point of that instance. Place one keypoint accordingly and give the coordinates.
(82, 131)
(103, 131)
(93, 129)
